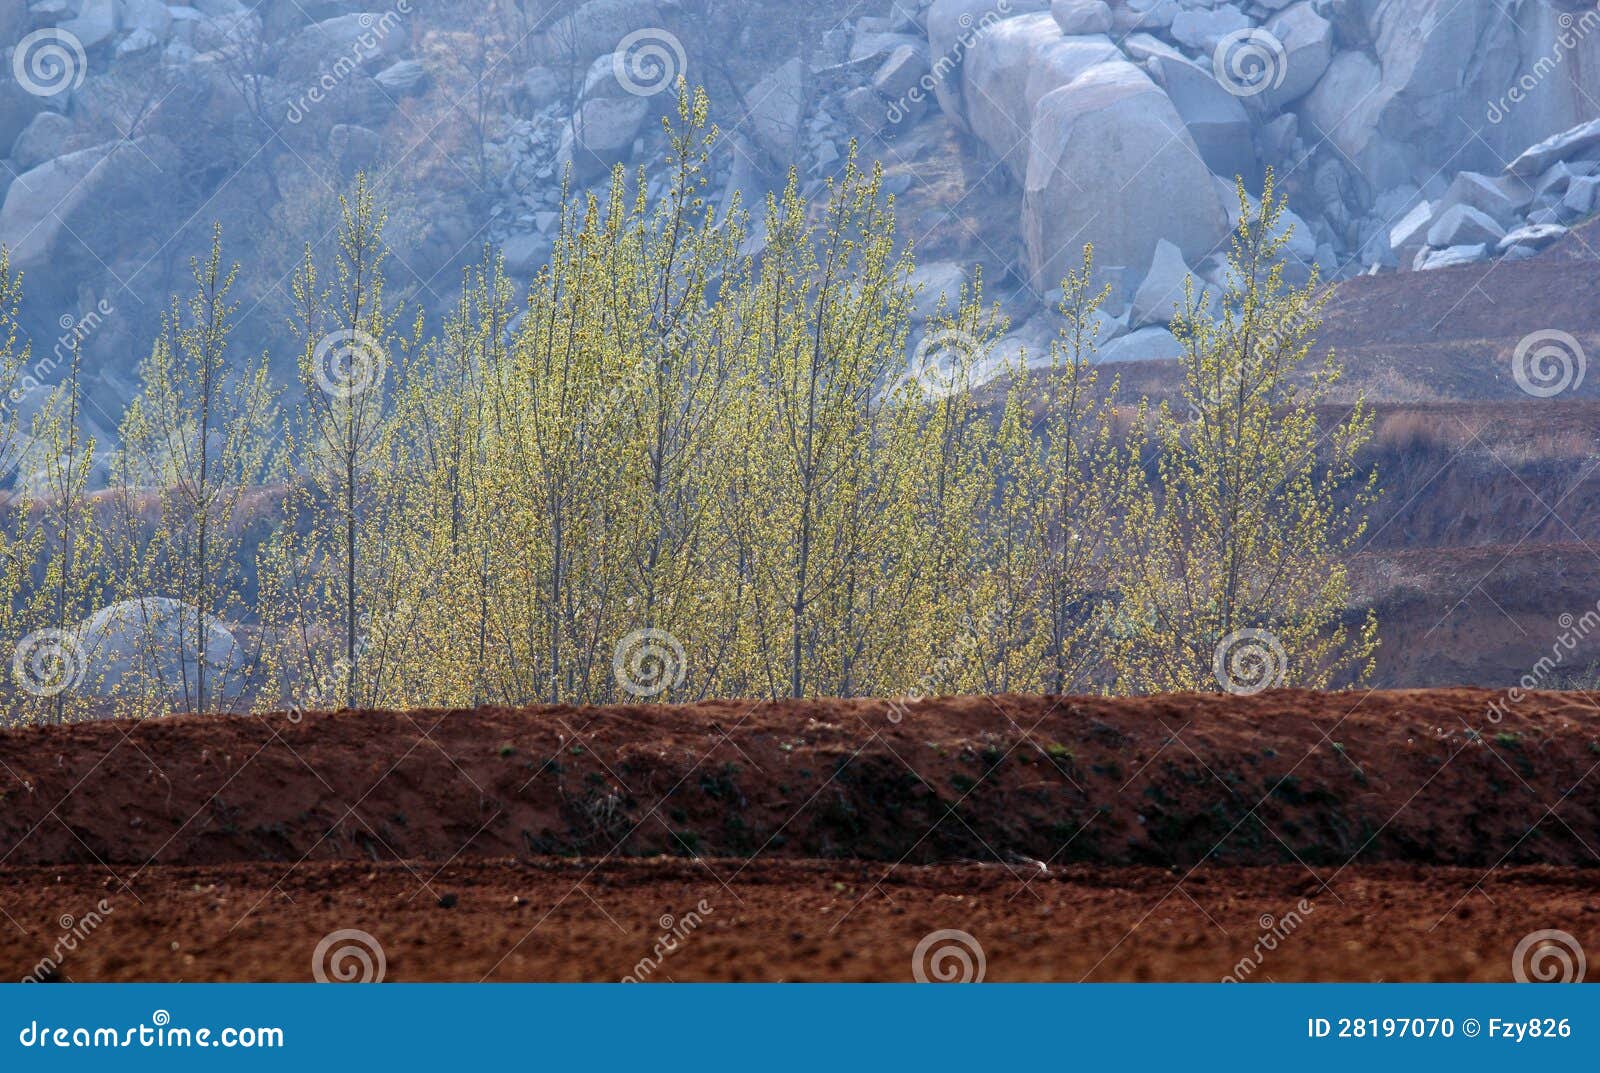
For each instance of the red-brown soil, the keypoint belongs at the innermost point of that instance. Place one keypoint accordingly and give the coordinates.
(1286, 776)
(1075, 838)
(789, 920)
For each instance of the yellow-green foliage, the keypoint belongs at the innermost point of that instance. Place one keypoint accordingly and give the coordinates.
(691, 460)
(197, 436)
(1237, 527)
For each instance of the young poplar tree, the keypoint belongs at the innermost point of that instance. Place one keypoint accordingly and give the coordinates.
(1056, 495)
(830, 306)
(199, 434)
(322, 564)
(20, 541)
(73, 579)
(1235, 548)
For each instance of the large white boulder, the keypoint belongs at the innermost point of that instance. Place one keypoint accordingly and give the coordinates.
(1216, 119)
(954, 29)
(1008, 72)
(60, 217)
(1164, 289)
(1307, 41)
(1113, 165)
(154, 642)
(777, 105)
(1557, 147)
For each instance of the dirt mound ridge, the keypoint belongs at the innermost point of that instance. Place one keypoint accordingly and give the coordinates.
(1419, 776)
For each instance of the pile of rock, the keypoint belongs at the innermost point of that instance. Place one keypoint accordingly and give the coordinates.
(1548, 187)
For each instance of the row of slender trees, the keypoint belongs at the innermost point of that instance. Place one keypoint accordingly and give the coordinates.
(687, 463)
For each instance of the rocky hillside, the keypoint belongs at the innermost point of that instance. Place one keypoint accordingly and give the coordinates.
(1410, 134)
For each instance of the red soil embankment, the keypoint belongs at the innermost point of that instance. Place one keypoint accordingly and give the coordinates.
(1421, 776)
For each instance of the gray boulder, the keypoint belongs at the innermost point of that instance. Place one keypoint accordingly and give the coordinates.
(1307, 40)
(777, 106)
(1203, 29)
(57, 213)
(1463, 225)
(1076, 17)
(938, 280)
(601, 133)
(1558, 147)
(955, 27)
(1163, 289)
(1411, 233)
(1215, 118)
(1452, 256)
(1503, 198)
(403, 78)
(1146, 344)
(902, 69)
(1144, 15)
(1112, 164)
(1579, 200)
(1531, 236)
(95, 22)
(42, 140)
